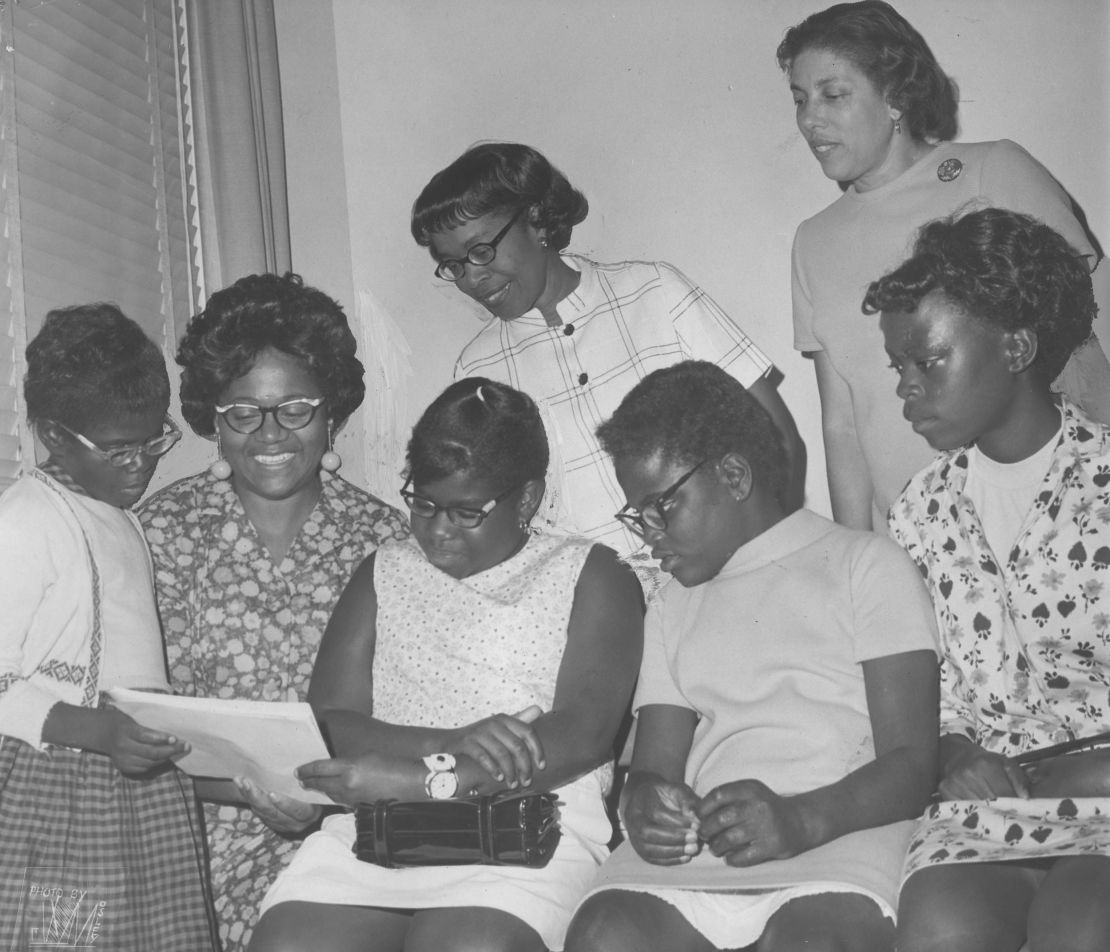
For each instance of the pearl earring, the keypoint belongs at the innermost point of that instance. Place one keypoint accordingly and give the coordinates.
(221, 468)
(897, 127)
(331, 460)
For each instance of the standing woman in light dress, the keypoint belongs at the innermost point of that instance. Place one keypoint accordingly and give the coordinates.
(879, 114)
(251, 556)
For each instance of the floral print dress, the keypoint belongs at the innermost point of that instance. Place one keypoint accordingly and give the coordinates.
(1025, 641)
(238, 626)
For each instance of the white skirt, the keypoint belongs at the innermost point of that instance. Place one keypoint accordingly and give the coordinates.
(325, 870)
(731, 906)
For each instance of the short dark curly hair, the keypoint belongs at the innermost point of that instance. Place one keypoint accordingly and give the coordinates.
(882, 44)
(1002, 267)
(499, 176)
(91, 363)
(485, 429)
(260, 312)
(692, 411)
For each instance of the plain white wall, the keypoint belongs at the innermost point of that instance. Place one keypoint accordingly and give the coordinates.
(673, 118)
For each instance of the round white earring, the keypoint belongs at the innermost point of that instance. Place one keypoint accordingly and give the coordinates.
(331, 460)
(220, 468)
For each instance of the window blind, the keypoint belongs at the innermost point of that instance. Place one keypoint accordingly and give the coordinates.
(96, 175)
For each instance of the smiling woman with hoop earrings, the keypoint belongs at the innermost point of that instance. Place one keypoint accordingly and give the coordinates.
(251, 556)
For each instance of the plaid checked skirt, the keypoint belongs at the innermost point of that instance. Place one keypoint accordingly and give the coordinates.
(91, 859)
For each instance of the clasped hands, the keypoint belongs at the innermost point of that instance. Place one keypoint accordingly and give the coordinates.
(505, 746)
(743, 822)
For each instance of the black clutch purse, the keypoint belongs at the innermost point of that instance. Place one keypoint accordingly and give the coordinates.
(515, 829)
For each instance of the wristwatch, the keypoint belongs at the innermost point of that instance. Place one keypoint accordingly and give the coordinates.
(442, 783)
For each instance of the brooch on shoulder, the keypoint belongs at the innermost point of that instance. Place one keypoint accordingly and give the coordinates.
(949, 170)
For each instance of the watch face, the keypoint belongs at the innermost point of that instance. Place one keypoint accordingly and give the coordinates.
(443, 786)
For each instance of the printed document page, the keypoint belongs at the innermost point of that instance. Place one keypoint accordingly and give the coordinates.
(260, 740)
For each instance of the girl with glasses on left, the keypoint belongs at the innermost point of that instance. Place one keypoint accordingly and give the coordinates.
(251, 556)
(96, 824)
(482, 658)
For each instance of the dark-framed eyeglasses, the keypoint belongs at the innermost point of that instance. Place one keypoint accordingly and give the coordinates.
(451, 269)
(290, 414)
(462, 516)
(121, 456)
(654, 515)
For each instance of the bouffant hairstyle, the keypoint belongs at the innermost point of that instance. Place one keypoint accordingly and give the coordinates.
(499, 176)
(692, 411)
(1004, 268)
(484, 429)
(90, 363)
(882, 45)
(260, 312)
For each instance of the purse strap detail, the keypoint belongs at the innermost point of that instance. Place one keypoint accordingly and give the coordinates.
(486, 830)
(381, 832)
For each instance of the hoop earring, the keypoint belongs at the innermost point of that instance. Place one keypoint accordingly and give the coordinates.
(220, 468)
(331, 460)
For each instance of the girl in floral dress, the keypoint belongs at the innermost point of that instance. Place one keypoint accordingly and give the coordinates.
(252, 556)
(1010, 526)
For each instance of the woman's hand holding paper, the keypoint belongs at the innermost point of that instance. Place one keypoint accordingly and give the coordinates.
(365, 778)
(280, 813)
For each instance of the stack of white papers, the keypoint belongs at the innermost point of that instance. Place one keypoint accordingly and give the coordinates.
(260, 740)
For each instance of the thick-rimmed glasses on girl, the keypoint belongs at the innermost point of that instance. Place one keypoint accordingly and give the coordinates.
(654, 515)
(290, 414)
(121, 456)
(462, 516)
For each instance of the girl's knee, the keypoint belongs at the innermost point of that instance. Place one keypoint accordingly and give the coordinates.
(602, 923)
(1070, 912)
(965, 908)
(621, 921)
(471, 929)
(276, 931)
(828, 922)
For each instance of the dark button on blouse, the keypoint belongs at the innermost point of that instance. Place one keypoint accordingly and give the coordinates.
(583, 378)
(568, 330)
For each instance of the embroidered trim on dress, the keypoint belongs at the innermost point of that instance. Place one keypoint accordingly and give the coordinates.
(91, 694)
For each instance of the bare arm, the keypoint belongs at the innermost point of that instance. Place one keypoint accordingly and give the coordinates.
(767, 394)
(598, 671)
(850, 488)
(134, 749)
(341, 690)
(747, 823)
(657, 805)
